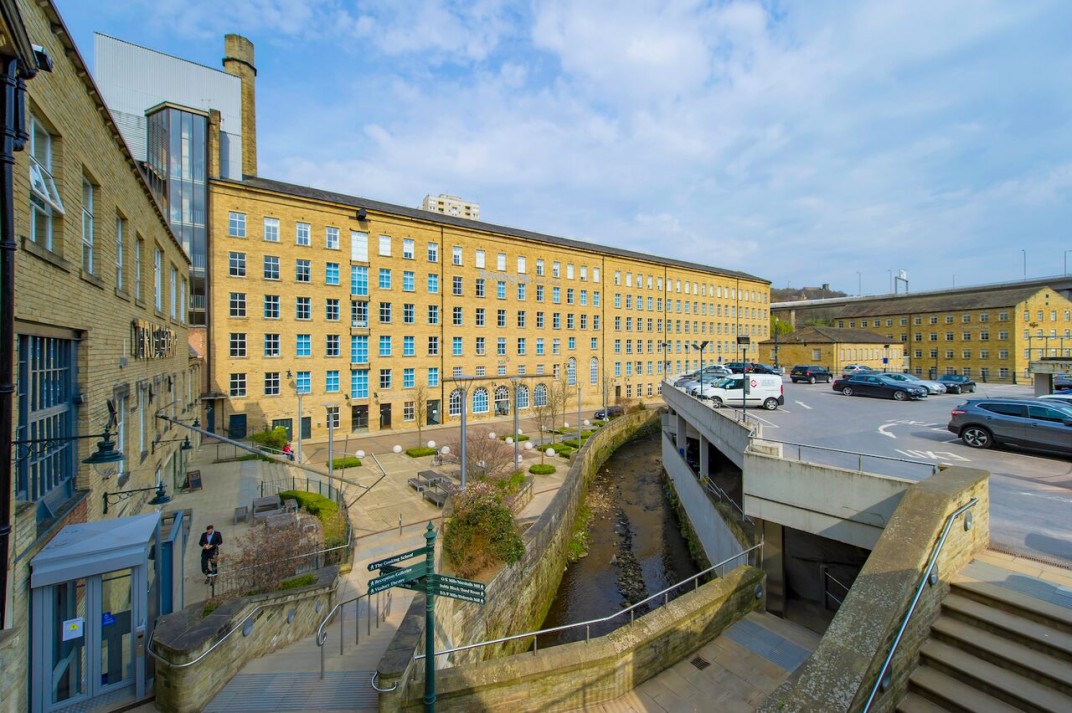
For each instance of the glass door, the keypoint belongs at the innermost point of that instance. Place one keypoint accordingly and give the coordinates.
(116, 630)
(68, 659)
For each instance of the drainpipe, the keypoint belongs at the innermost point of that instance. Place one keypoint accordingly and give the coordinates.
(12, 108)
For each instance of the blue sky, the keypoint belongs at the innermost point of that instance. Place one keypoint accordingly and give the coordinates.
(805, 142)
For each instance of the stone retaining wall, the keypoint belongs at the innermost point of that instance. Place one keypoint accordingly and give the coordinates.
(841, 672)
(278, 619)
(519, 596)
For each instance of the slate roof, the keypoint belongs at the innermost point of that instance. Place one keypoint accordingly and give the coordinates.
(479, 225)
(947, 301)
(830, 335)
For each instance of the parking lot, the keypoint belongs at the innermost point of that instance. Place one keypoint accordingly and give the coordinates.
(1030, 491)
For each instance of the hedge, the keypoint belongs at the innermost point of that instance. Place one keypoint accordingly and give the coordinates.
(542, 469)
(345, 462)
(326, 510)
(420, 452)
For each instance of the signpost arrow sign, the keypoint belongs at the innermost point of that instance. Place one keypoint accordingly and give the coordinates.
(399, 576)
(394, 559)
(461, 583)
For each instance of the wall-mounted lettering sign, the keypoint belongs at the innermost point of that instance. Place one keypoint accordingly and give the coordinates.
(151, 341)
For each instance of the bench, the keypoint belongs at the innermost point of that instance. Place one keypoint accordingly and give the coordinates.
(417, 484)
(436, 496)
(241, 513)
(263, 507)
(290, 505)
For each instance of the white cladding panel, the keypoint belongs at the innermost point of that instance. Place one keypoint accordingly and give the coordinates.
(133, 79)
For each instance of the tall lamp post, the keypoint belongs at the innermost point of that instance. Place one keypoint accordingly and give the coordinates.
(742, 342)
(462, 383)
(515, 380)
(701, 346)
(301, 392)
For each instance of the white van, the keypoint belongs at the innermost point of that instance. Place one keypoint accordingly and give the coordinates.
(763, 390)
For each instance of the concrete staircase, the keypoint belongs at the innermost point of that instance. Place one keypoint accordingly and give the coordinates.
(1003, 642)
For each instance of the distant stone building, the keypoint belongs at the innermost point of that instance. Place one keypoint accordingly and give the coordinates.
(834, 348)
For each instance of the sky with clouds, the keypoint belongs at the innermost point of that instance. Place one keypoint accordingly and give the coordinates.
(805, 142)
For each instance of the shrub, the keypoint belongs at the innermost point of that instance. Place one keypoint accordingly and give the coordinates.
(303, 580)
(562, 449)
(345, 462)
(420, 452)
(275, 438)
(520, 439)
(511, 484)
(482, 532)
(542, 469)
(326, 510)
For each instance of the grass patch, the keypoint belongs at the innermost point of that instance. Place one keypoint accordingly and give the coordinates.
(578, 545)
(303, 580)
(562, 449)
(420, 452)
(542, 469)
(511, 484)
(326, 510)
(520, 439)
(345, 462)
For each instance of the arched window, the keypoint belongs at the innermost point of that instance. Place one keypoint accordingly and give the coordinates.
(480, 400)
(502, 401)
(593, 371)
(456, 402)
(539, 395)
(571, 372)
(522, 396)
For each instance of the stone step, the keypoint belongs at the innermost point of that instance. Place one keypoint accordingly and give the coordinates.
(915, 703)
(1015, 602)
(1003, 652)
(994, 680)
(1031, 633)
(951, 694)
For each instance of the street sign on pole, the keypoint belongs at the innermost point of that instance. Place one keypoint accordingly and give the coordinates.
(394, 559)
(446, 590)
(399, 576)
(459, 582)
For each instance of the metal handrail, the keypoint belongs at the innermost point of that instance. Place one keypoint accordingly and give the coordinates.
(835, 580)
(860, 456)
(321, 633)
(915, 599)
(158, 657)
(665, 593)
(707, 482)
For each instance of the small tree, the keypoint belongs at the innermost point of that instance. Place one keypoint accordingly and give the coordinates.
(557, 395)
(420, 410)
(263, 558)
(482, 532)
(485, 455)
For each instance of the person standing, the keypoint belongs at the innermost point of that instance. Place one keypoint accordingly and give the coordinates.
(210, 549)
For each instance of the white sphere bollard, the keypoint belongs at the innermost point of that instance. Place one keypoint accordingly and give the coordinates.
(565, 424)
(431, 444)
(520, 432)
(492, 435)
(528, 445)
(550, 451)
(587, 422)
(360, 454)
(509, 441)
(397, 449)
(445, 450)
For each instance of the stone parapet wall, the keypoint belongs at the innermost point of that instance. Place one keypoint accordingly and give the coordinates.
(519, 596)
(277, 620)
(841, 672)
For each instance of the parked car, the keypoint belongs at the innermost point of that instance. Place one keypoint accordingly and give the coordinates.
(850, 369)
(1061, 397)
(810, 373)
(879, 385)
(1062, 382)
(609, 412)
(983, 423)
(740, 367)
(932, 387)
(685, 378)
(715, 370)
(957, 383)
(763, 390)
(758, 368)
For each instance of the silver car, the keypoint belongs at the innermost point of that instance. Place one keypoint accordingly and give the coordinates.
(932, 387)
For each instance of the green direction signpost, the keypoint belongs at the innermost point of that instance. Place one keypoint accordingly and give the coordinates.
(422, 578)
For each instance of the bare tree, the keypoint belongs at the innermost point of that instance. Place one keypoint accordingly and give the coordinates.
(420, 409)
(557, 394)
(485, 455)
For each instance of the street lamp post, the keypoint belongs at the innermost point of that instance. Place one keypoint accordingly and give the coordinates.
(701, 346)
(516, 455)
(742, 342)
(331, 446)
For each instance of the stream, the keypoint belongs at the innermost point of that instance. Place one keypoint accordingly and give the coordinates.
(635, 547)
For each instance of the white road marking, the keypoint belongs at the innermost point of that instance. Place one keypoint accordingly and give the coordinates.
(803, 405)
(885, 433)
(934, 455)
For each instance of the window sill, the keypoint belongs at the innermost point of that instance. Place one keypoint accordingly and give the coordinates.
(47, 255)
(139, 302)
(92, 279)
(122, 294)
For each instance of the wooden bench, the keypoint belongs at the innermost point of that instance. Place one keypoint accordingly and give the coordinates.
(263, 507)
(241, 513)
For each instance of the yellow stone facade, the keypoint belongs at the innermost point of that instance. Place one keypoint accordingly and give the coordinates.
(465, 298)
(986, 334)
(125, 346)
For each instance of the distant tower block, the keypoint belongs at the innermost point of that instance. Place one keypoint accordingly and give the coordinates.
(451, 205)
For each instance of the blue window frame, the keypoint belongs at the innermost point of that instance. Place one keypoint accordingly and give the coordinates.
(433, 283)
(433, 376)
(385, 278)
(480, 400)
(456, 346)
(385, 346)
(359, 384)
(409, 379)
(304, 345)
(409, 282)
(303, 382)
(331, 273)
(359, 349)
(331, 381)
(359, 280)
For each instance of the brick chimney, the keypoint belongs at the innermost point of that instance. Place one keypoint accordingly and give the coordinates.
(238, 61)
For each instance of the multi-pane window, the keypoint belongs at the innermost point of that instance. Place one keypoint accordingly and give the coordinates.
(271, 383)
(385, 245)
(385, 313)
(433, 314)
(303, 308)
(331, 382)
(556, 295)
(409, 281)
(385, 378)
(433, 376)
(332, 345)
(120, 230)
(385, 278)
(271, 345)
(236, 264)
(236, 225)
(456, 286)
(500, 346)
(331, 238)
(456, 346)
(359, 314)
(456, 319)
(500, 262)
(433, 346)
(271, 267)
(521, 287)
(303, 345)
(238, 345)
(500, 318)
(407, 248)
(480, 312)
(500, 289)
(479, 288)
(303, 271)
(359, 384)
(409, 346)
(303, 382)
(409, 380)
(521, 319)
(480, 348)
(539, 293)
(359, 280)
(521, 346)
(456, 255)
(359, 353)
(409, 312)
(433, 252)
(271, 306)
(88, 190)
(539, 320)
(433, 283)
(409, 408)
(44, 196)
(237, 302)
(556, 269)
(333, 415)
(271, 230)
(539, 346)
(385, 345)
(302, 234)
(331, 273)
(478, 260)
(158, 279)
(539, 267)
